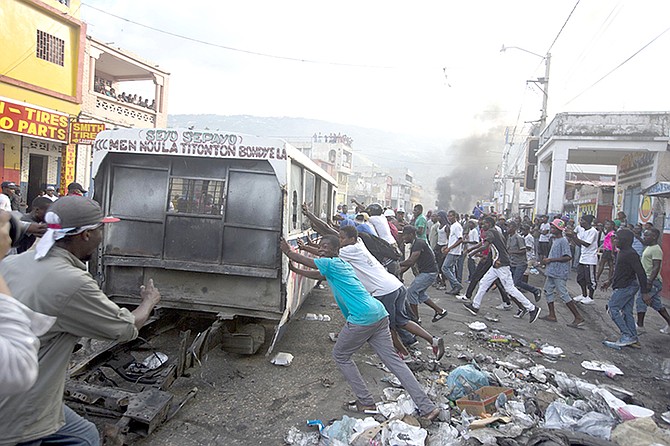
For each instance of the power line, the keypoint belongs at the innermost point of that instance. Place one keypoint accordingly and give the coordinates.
(619, 66)
(561, 30)
(239, 50)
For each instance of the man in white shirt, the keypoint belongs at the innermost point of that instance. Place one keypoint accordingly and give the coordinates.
(587, 240)
(544, 242)
(473, 239)
(51, 193)
(380, 223)
(8, 189)
(453, 252)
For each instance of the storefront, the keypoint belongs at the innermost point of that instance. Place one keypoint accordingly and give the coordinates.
(32, 141)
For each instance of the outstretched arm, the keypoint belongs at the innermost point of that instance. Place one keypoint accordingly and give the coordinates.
(296, 257)
(319, 225)
(312, 274)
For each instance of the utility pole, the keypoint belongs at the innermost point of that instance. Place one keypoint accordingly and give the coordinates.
(545, 98)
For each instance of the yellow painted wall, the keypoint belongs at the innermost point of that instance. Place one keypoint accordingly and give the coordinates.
(10, 169)
(19, 22)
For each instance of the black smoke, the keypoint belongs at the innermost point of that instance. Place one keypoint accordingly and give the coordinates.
(475, 161)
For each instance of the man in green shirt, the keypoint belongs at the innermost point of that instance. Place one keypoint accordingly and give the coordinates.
(652, 259)
(419, 222)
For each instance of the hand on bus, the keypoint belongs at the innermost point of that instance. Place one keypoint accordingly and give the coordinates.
(150, 293)
(284, 246)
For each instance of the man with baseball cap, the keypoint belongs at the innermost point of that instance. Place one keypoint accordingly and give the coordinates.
(76, 189)
(51, 193)
(8, 189)
(53, 280)
(557, 270)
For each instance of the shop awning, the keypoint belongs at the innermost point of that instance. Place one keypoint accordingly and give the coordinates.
(658, 189)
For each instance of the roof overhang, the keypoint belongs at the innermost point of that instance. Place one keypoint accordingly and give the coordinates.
(659, 189)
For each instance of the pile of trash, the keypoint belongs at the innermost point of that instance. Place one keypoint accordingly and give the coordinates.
(512, 401)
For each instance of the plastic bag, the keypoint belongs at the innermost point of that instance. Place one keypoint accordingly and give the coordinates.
(596, 425)
(464, 380)
(446, 435)
(561, 416)
(399, 433)
(340, 430)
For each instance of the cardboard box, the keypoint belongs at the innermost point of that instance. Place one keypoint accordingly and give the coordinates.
(484, 401)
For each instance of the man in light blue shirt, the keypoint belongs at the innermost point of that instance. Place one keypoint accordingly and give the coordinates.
(367, 321)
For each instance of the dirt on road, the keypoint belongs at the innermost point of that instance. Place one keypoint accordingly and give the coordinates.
(246, 400)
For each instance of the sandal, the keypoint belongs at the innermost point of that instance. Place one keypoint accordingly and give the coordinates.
(577, 325)
(546, 319)
(355, 406)
(439, 316)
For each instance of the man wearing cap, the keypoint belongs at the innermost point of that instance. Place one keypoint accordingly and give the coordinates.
(76, 189)
(51, 193)
(558, 268)
(53, 280)
(8, 189)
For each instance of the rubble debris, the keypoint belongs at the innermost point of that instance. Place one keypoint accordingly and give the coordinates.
(640, 432)
(317, 317)
(602, 366)
(477, 326)
(282, 359)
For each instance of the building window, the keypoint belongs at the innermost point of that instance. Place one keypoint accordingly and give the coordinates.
(50, 48)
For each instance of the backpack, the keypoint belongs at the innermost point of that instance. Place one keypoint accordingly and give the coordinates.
(379, 248)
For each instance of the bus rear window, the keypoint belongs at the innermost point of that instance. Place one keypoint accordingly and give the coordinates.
(190, 196)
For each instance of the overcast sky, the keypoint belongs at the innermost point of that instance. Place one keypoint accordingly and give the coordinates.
(382, 64)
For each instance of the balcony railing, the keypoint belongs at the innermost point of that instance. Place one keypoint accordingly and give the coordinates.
(124, 113)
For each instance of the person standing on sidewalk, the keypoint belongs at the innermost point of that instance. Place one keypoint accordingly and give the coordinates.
(620, 304)
(558, 268)
(453, 252)
(422, 256)
(587, 240)
(366, 322)
(652, 260)
(499, 270)
(516, 247)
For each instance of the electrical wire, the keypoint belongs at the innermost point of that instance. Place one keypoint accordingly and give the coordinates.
(619, 66)
(562, 27)
(239, 50)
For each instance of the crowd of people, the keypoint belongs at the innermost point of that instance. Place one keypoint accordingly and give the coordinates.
(333, 138)
(103, 86)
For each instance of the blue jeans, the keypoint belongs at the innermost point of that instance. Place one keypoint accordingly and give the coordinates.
(655, 294)
(416, 293)
(553, 285)
(459, 268)
(449, 268)
(621, 310)
(77, 431)
(517, 276)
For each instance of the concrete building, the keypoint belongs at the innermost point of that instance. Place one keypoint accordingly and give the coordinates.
(334, 154)
(372, 185)
(403, 190)
(40, 90)
(109, 77)
(637, 143)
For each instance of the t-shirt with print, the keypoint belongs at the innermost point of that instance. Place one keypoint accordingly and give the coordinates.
(496, 239)
(420, 222)
(376, 280)
(530, 247)
(356, 304)
(650, 254)
(558, 270)
(426, 261)
(589, 254)
(517, 243)
(545, 237)
(455, 233)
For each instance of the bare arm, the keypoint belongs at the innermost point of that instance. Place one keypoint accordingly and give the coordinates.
(319, 225)
(407, 263)
(296, 257)
(150, 297)
(312, 274)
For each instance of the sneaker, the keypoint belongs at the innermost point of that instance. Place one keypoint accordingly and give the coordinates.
(538, 295)
(504, 306)
(462, 297)
(439, 316)
(521, 312)
(666, 329)
(471, 308)
(622, 342)
(587, 300)
(455, 290)
(578, 298)
(442, 287)
(534, 314)
(438, 348)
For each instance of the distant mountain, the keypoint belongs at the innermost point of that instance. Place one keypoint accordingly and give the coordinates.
(383, 148)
